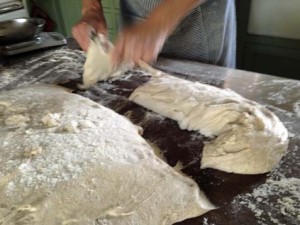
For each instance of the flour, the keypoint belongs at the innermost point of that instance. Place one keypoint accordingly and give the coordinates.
(280, 93)
(297, 108)
(51, 119)
(288, 203)
(32, 151)
(17, 120)
(62, 64)
(278, 199)
(205, 222)
(71, 127)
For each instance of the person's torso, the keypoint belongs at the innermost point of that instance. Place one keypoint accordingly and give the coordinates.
(203, 35)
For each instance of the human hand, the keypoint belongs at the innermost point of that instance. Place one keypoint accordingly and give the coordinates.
(142, 41)
(92, 20)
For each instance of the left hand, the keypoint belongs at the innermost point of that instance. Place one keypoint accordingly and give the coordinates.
(142, 41)
(91, 20)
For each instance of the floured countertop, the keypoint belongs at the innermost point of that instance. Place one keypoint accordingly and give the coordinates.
(249, 200)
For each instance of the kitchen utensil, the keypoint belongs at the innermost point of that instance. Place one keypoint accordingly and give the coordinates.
(20, 30)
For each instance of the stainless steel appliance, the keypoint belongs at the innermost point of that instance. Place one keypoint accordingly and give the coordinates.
(11, 9)
(24, 35)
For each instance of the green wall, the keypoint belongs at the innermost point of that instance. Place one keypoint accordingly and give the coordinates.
(66, 13)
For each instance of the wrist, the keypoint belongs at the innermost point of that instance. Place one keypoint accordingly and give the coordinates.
(88, 5)
(95, 19)
(162, 25)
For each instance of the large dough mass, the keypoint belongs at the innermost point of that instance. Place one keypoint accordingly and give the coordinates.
(72, 161)
(249, 139)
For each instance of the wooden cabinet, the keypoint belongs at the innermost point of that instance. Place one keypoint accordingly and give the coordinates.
(112, 16)
(66, 13)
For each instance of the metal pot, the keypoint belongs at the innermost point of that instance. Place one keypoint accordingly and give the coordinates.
(20, 30)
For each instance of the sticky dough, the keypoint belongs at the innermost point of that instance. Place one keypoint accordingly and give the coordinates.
(104, 173)
(249, 139)
(98, 65)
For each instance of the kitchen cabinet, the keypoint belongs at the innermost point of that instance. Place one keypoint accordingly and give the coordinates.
(66, 13)
(269, 37)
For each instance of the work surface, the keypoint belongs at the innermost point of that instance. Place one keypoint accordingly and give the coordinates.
(242, 199)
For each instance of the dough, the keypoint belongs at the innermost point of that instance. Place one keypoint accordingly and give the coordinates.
(17, 120)
(249, 139)
(103, 172)
(98, 64)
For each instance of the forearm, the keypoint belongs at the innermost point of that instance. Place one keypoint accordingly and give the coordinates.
(92, 19)
(92, 14)
(170, 12)
(91, 5)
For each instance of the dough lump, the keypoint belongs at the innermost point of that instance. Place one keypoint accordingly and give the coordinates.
(249, 139)
(105, 173)
(98, 64)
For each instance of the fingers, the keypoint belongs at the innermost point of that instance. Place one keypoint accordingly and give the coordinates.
(117, 53)
(81, 35)
(148, 53)
(133, 45)
(81, 31)
(102, 29)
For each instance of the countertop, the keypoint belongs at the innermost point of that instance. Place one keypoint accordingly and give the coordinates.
(272, 198)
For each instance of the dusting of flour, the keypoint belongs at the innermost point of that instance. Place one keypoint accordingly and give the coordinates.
(277, 201)
(77, 162)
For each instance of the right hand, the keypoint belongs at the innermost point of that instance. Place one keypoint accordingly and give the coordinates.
(141, 41)
(92, 20)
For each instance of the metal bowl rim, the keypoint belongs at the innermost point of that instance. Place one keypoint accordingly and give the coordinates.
(40, 21)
